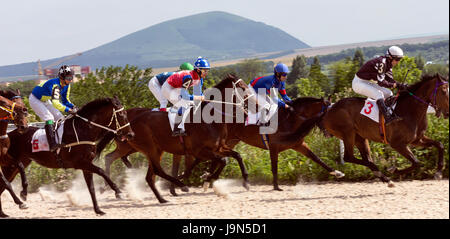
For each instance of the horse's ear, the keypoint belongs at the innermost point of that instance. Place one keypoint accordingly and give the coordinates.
(329, 98)
(18, 92)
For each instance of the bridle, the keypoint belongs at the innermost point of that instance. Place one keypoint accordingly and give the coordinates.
(10, 112)
(240, 104)
(114, 117)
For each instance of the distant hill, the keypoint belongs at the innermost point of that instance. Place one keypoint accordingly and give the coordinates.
(214, 35)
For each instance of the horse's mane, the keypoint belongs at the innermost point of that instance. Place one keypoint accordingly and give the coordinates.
(228, 78)
(8, 93)
(305, 100)
(95, 105)
(417, 85)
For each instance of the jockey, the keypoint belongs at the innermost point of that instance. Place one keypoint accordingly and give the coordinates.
(175, 89)
(380, 70)
(45, 100)
(157, 81)
(277, 80)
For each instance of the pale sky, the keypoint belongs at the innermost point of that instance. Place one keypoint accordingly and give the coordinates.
(44, 29)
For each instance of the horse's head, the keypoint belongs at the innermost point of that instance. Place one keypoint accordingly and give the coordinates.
(240, 92)
(440, 94)
(121, 123)
(17, 111)
(309, 107)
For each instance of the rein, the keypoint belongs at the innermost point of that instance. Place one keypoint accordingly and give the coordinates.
(432, 97)
(241, 104)
(113, 117)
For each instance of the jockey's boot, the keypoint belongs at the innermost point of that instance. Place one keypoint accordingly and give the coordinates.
(178, 131)
(388, 117)
(49, 131)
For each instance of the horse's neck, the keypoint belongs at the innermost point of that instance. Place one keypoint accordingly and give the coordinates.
(3, 127)
(415, 107)
(86, 129)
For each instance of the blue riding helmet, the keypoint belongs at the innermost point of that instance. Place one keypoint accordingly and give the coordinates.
(201, 63)
(280, 67)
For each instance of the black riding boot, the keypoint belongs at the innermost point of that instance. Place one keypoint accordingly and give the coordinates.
(388, 117)
(49, 130)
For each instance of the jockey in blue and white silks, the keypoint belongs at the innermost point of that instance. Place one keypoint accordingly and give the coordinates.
(49, 98)
(277, 80)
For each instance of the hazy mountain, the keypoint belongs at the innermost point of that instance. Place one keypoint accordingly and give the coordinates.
(214, 35)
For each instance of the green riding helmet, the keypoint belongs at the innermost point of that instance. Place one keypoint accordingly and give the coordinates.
(186, 66)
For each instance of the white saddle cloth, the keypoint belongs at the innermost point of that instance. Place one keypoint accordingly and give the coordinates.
(39, 140)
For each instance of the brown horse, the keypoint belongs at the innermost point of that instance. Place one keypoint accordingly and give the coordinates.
(205, 140)
(293, 127)
(344, 121)
(15, 110)
(81, 132)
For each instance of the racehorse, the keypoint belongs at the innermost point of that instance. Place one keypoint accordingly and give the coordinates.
(205, 141)
(344, 121)
(293, 127)
(81, 132)
(11, 108)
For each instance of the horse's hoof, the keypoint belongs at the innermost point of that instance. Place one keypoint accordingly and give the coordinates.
(391, 184)
(100, 213)
(337, 174)
(23, 196)
(277, 189)
(23, 206)
(205, 186)
(119, 195)
(2, 215)
(392, 169)
(438, 176)
(246, 186)
(163, 201)
(172, 191)
(185, 189)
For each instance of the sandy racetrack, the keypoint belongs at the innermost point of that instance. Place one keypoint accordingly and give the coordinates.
(370, 199)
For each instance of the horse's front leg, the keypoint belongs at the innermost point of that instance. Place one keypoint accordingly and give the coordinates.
(24, 192)
(90, 184)
(404, 150)
(427, 142)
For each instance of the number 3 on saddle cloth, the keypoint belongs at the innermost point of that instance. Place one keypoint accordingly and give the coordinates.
(39, 140)
(371, 110)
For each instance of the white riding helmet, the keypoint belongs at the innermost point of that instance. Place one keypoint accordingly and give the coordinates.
(395, 52)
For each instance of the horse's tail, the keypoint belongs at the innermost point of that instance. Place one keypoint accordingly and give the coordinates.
(304, 129)
(103, 143)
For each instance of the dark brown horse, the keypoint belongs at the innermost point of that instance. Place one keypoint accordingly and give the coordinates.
(293, 127)
(81, 131)
(205, 141)
(11, 108)
(344, 121)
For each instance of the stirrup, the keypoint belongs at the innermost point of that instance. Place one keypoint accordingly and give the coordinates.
(393, 118)
(179, 132)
